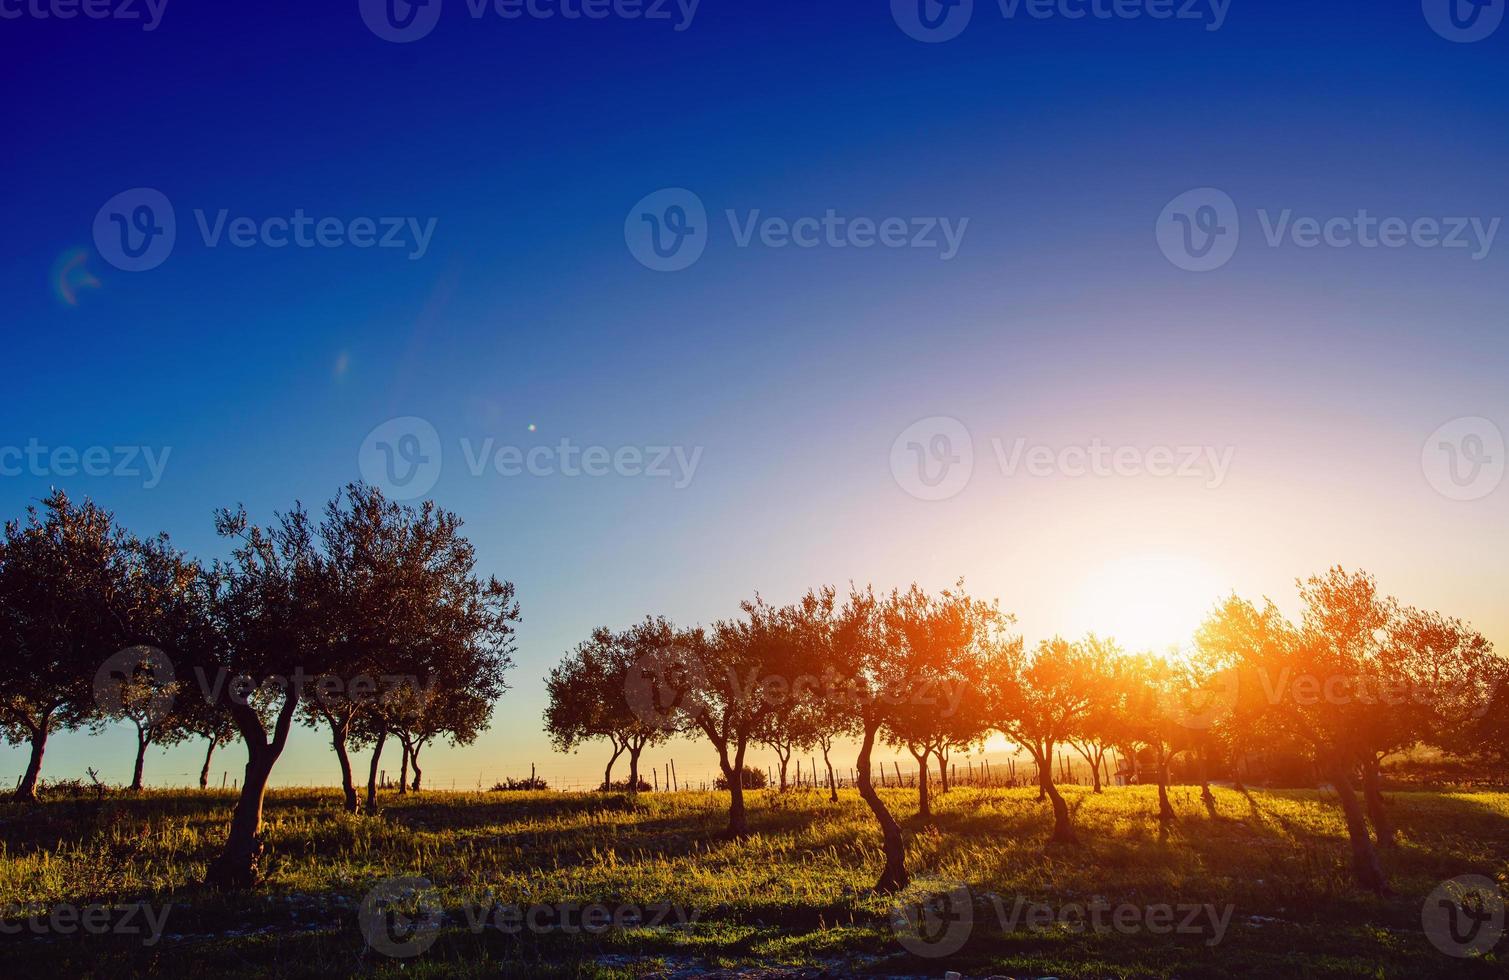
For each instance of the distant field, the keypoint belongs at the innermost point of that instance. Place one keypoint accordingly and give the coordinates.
(791, 901)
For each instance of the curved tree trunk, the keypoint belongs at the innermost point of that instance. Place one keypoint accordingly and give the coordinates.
(942, 772)
(338, 734)
(1063, 830)
(236, 866)
(1365, 867)
(27, 790)
(618, 750)
(377, 744)
(1372, 791)
(141, 759)
(414, 758)
(832, 782)
(893, 877)
(204, 773)
(1166, 812)
(733, 772)
(403, 770)
(634, 751)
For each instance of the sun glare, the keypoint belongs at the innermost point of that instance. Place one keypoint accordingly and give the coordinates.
(1147, 602)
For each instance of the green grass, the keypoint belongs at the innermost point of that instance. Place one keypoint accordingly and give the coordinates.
(793, 897)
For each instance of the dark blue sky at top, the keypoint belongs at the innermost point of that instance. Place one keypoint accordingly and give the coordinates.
(529, 141)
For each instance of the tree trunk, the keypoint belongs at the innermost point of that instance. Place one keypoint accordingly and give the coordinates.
(785, 761)
(893, 877)
(382, 736)
(236, 866)
(634, 769)
(141, 759)
(832, 782)
(1095, 764)
(1365, 866)
(942, 772)
(618, 750)
(1165, 808)
(338, 733)
(204, 774)
(403, 771)
(414, 758)
(28, 789)
(924, 797)
(1063, 831)
(1372, 791)
(733, 772)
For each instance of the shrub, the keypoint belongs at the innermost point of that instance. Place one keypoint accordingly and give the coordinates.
(749, 778)
(520, 785)
(622, 786)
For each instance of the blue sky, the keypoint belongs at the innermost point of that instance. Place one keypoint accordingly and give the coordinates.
(526, 144)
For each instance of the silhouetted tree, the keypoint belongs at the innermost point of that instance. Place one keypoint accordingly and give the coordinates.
(1041, 699)
(587, 694)
(1306, 679)
(888, 654)
(62, 579)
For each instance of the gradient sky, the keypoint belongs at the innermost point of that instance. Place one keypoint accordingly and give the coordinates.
(1060, 321)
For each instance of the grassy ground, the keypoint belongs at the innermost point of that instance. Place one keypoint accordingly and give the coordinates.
(792, 900)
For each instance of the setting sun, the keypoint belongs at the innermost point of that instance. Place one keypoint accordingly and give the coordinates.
(1147, 602)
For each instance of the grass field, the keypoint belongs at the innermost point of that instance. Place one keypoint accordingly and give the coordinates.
(793, 900)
